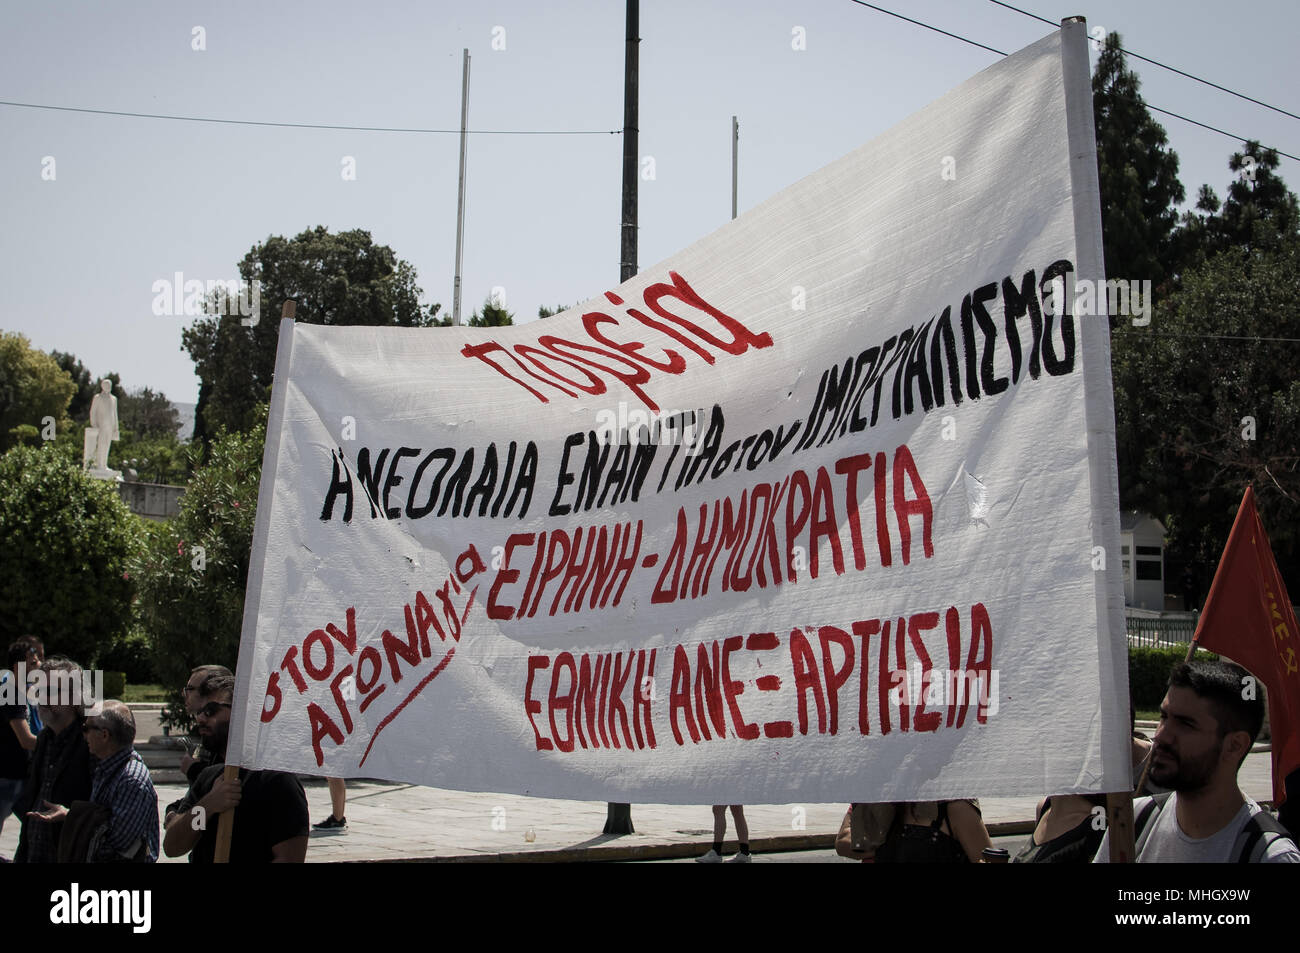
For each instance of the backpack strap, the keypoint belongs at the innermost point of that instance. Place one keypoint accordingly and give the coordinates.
(1142, 828)
(1260, 832)
(943, 816)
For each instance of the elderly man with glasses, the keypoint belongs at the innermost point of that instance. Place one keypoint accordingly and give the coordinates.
(121, 784)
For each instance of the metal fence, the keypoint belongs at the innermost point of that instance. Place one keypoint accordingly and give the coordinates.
(1162, 628)
(1151, 629)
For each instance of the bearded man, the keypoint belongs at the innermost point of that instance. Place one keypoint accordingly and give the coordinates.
(1209, 719)
(271, 819)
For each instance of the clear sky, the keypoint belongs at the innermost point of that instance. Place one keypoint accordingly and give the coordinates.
(135, 200)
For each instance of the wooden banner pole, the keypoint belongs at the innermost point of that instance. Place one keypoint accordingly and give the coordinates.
(225, 822)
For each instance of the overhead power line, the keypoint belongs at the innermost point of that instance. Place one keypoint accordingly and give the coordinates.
(311, 125)
(1172, 69)
(983, 46)
(614, 132)
(871, 6)
(1212, 128)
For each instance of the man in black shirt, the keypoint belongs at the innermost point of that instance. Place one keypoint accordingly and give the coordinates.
(271, 819)
(60, 770)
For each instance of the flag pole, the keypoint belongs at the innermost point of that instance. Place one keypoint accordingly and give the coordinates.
(618, 816)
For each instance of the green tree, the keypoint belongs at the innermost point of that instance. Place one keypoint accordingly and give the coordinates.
(1259, 212)
(150, 445)
(1138, 174)
(194, 568)
(1207, 398)
(154, 459)
(34, 392)
(148, 414)
(491, 316)
(64, 568)
(79, 408)
(1140, 191)
(1218, 403)
(544, 312)
(336, 279)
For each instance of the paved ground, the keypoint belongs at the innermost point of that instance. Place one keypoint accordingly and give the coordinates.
(398, 821)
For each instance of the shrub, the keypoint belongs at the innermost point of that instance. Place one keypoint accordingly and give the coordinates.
(194, 568)
(114, 685)
(1148, 672)
(133, 656)
(64, 566)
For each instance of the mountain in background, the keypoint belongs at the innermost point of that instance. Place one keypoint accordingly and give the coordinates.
(186, 414)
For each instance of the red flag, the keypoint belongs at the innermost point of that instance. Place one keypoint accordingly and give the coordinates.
(1248, 617)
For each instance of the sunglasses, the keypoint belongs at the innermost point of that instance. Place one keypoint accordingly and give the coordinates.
(211, 708)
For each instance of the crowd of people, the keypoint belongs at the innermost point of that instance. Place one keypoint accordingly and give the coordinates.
(71, 777)
(1188, 806)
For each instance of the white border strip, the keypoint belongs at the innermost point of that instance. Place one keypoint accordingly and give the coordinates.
(1099, 406)
(261, 530)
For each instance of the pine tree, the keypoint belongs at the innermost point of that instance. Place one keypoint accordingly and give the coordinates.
(1259, 213)
(1138, 173)
(1140, 192)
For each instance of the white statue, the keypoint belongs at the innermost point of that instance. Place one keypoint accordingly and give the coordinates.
(103, 418)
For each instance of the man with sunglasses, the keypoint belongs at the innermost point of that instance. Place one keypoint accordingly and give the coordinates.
(192, 764)
(271, 819)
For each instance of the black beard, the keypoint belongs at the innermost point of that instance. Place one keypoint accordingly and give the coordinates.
(1188, 778)
(216, 741)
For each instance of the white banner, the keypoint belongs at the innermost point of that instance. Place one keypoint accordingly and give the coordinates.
(822, 508)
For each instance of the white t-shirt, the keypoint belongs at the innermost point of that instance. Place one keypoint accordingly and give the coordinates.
(1169, 845)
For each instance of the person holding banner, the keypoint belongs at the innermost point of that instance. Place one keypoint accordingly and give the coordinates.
(195, 762)
(271, 820)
